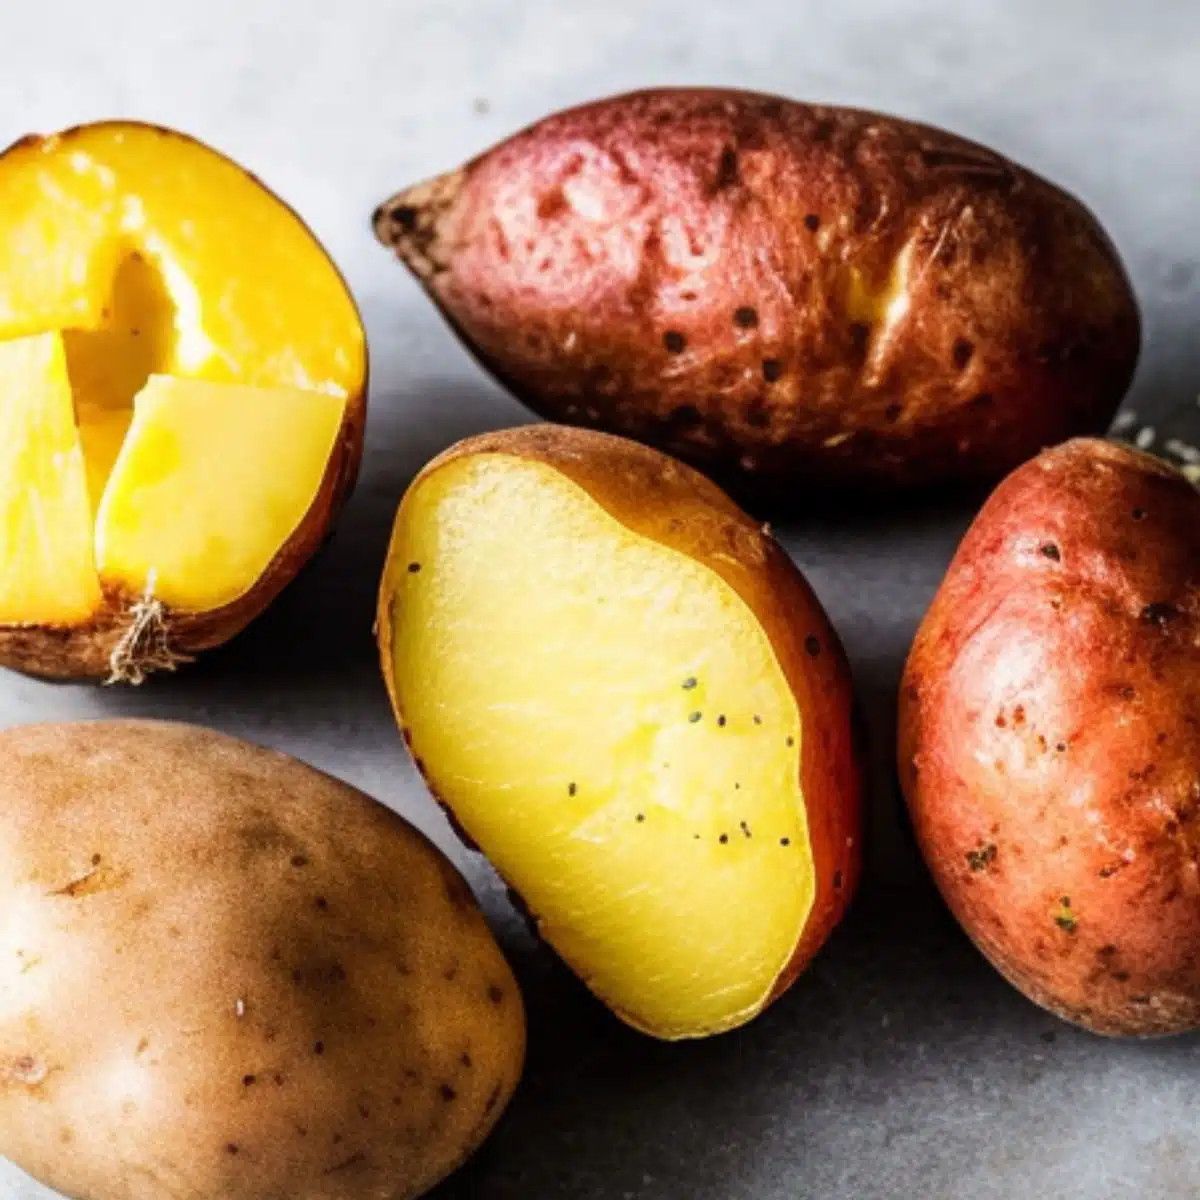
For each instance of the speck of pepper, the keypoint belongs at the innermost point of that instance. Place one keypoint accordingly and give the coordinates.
(745, 829)
(1051, 551)
(721, 720)
(724, 839)
(785, 841)
(745, 317)
(95, 860)
(689, 683)
(757, 719)
(640, 817)
(791, 741)
(693, 717)
(571, 789)
(674, 342)
(813, 645)
(413, 567)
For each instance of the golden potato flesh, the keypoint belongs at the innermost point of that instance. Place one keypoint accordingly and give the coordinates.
(183, 372)
(610, 720)
(225, 976)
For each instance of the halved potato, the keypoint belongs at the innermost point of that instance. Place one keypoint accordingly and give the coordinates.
(630, 699)
(184, 374)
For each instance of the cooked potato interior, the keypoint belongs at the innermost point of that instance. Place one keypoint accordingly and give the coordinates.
(594, 706)
(154, 256)
(47, 571)
(206, 489)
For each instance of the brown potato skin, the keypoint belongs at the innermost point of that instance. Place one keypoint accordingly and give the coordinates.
(675, 506)
(1049, 717)
(85, 652)
(676, 266)
(238, 978)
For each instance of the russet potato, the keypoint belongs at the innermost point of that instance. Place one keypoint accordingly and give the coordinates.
(787, 295)
(630, 699)
(184, 377)
(1048, 737)
(226, 976)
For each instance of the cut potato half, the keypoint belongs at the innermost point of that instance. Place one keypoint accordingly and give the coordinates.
(585, 644)
(208, 380)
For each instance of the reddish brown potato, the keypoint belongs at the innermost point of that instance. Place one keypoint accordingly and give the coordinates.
(1048, 737)
(785, 295)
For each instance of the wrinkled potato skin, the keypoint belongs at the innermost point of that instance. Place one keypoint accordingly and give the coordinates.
(1048, 729)
(679, 267)
(671, 504)
(225, 976)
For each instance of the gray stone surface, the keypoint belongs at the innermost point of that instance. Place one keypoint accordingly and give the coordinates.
(901, 1065)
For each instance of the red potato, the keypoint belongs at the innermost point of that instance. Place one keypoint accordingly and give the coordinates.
(785, 295)
(1049, 725)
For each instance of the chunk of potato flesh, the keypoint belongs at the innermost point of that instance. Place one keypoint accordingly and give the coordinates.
(210, 483)
(607, 719)
(47, 569)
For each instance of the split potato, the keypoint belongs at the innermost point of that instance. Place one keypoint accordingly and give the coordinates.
(226, 976)
(786, 295)
(629, 698)
(1048, 734)
(184, 373)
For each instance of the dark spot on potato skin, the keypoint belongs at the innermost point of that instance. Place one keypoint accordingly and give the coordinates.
(893, 413)
(1051, 551)
(1160, 614)
(494, 1098)
(727, 170)
(745, 317)
(982, 858)
(860, 336)
(812, 222)
(674, 342)
(495, 994)
(686, 416)
(962, 352)
(447, 1093)
(812, 646)
(772, 370)
(232, 1148)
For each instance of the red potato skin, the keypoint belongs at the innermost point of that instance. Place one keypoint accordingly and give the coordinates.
(687, 268)
(1049, 725)
(669, 503)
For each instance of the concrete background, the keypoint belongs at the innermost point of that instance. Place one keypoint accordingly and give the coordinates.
(901, 1065)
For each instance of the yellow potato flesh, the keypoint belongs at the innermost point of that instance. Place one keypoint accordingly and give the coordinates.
(210, 482)
(155, 256)
(47, 571)
(607, 719)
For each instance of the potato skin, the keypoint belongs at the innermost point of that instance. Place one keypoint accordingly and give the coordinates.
(669, 503)
(86, 651)
(226, 976)
(695, 269)
(1048, 731)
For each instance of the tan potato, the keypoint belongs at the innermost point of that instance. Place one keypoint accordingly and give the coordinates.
(1048, 735)
(226, 976)
(628, 696)
(786, 295)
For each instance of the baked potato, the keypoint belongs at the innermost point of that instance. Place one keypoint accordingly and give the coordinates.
(786, 295)
(629, 698)
(1048, 733)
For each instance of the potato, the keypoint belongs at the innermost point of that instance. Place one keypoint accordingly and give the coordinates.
(788, 296)
(184, 376)
(225, 976)
(630, 699)
(1048, 736)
